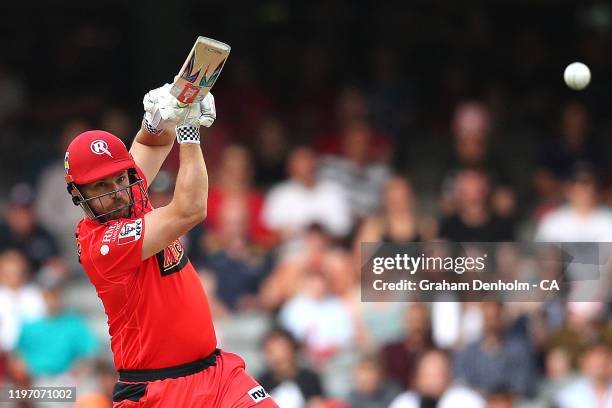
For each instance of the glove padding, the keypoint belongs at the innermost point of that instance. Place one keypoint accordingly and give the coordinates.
(163, 108)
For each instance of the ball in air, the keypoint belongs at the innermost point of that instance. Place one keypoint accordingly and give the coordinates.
(577, 76)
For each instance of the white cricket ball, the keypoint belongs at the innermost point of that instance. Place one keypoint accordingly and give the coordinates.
(577, 76)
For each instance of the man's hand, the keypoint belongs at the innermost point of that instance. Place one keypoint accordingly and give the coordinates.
(164, 110)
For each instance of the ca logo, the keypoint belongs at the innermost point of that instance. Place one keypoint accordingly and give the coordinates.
(100, 147)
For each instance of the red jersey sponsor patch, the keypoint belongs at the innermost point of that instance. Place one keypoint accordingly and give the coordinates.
(130, 232)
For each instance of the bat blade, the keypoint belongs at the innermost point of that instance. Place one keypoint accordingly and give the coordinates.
(200, 70)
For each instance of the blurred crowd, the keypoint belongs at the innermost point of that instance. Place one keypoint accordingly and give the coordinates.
(304, 170)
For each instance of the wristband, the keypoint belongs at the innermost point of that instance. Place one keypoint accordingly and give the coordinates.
(188, 134)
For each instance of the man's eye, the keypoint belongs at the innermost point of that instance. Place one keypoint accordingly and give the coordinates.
(100, 185)
(121, 179)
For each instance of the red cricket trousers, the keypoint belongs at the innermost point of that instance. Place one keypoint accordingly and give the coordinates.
(224, 385)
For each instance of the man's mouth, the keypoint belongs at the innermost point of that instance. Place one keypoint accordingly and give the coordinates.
(122, 211)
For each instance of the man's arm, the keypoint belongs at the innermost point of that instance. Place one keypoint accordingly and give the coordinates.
(150, 148)
(187, 208)
(150, 151)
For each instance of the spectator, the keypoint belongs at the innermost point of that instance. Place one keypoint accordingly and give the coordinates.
(22, 230)
(496, 361)
(454, 324)
(582, 219)
(53, 346)
(317, 318)
(290, 385)
(356, 170)
(397, 221)
(270, 149)
(371, 390)
(56, 214)
(471, 128)
(303, 256)
(301, 201)
(20, 301)
(432, 386)
(585, 323)
(594, 389)
(234, 183)
(350, 106)
(559, 156)
(400, 358)
(473, 219)
(233, 259)
(558, 374)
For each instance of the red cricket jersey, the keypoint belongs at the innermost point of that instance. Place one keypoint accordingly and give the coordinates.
(158, 313)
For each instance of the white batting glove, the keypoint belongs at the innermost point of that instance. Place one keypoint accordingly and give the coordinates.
(153, 102)
(195, 114)
(162, 109)
(192, 117)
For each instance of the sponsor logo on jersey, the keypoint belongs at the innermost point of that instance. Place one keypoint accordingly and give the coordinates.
(172, 259)
(111, 232)
(130, 232)
(258, 394)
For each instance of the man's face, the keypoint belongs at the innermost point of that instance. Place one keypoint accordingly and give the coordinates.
(302, 165)
(279, 352)
(110, 202)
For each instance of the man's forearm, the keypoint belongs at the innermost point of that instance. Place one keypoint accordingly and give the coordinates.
(191, 189)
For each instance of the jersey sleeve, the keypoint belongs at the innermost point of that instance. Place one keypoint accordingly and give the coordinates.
(115, 250)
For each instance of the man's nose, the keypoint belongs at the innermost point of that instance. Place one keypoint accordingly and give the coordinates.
(120, 191)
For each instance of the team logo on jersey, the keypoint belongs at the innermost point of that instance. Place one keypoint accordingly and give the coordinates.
(172, 259)
(130, 232)
(258, 394)
(100, 147)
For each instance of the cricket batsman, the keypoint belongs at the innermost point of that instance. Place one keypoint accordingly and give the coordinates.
(161, 329)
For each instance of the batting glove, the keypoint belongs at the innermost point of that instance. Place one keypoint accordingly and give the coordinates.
(162, 109)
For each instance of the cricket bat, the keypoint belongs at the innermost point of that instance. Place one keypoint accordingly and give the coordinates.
(200, 70)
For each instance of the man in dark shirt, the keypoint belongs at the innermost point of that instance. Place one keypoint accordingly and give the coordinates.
(496, 361)
(21, 230)
(287, 382)
(473, 220)
(399, 358)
